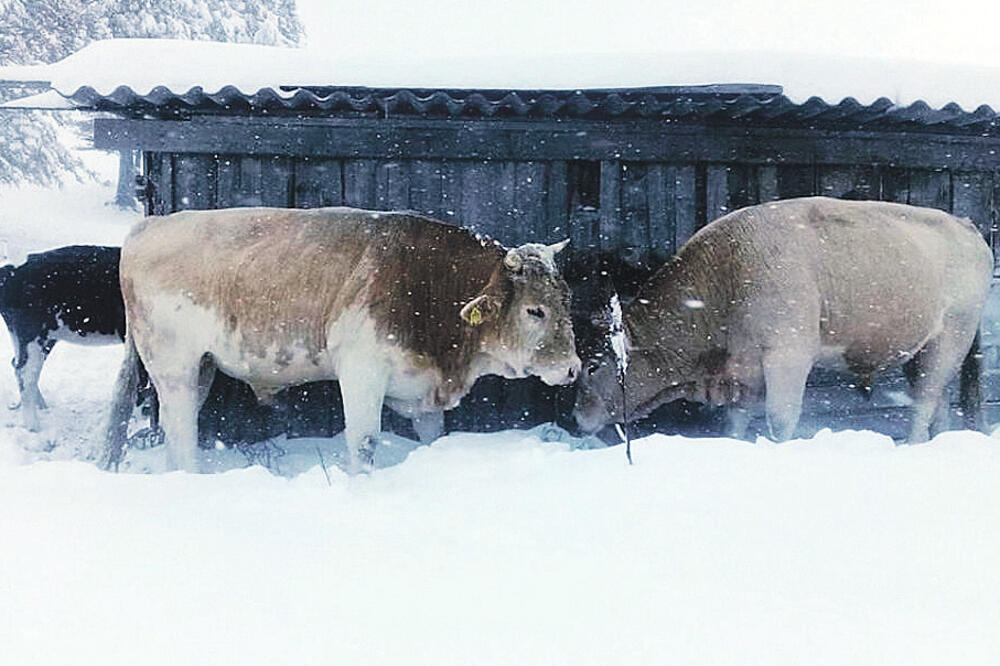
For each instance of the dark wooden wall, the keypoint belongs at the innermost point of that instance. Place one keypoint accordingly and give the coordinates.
(639, 211)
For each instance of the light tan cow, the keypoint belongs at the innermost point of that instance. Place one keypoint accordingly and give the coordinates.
(399, 308)
(757, 298)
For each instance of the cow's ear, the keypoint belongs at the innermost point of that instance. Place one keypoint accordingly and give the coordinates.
(480, 309)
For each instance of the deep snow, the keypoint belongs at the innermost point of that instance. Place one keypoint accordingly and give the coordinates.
(481, 549)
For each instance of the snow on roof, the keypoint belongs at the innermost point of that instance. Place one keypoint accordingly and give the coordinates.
(144, 64)
(48, 100)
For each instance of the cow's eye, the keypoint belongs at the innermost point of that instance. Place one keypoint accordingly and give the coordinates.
(537, 313)
(593, 366)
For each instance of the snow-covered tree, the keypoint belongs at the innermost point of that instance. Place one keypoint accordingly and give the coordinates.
(44, 31)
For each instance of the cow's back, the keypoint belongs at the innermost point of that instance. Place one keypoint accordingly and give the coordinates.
(73, 288)
(882, 276)
(278, 278)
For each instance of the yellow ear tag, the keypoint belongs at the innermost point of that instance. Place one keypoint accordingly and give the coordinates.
(475, 316)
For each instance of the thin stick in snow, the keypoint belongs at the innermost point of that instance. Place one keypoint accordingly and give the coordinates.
(616, 336)
(323, 465)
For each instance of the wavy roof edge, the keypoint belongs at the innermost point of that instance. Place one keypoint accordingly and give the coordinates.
(718, 103)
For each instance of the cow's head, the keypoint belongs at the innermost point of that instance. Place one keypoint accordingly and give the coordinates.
(526, 309)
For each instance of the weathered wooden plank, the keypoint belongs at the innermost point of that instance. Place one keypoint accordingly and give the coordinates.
(849, 182)
(503, 227)
(557, 201)
(743, 186)
(895, 185)
(930, 188)
(660, 194)
(276, 182)
(392, 186)
(994, 235)
(451, 191)
(973, 198)
(162, 188)
(519, 225)
(167, 183)
(318, 183)
(475, 193)
(610, 229)
(425, 187)
(359, 183)
(648, 141)
(797, 180)
(515, 220)
(240, 181)
(634, 198)
(228, 179)
(488, 197)
(195, 182)
(767, 179)
(528, 212)
(716, 191)
(584, 225)
(583, 180)
(685, 204)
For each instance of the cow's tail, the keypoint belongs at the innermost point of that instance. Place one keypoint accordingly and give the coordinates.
(969, 396)
(122, 404)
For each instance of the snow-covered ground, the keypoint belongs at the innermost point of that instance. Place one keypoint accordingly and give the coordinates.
(481, 549)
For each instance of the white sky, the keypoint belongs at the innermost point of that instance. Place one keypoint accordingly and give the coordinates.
(960, 31)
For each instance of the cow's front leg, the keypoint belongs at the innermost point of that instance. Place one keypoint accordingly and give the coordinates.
(428, 426)
(737, 421)
(362, 387)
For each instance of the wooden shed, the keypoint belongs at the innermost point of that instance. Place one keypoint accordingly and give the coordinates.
(627, 174)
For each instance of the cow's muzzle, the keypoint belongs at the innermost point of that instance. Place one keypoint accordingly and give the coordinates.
(561, 375)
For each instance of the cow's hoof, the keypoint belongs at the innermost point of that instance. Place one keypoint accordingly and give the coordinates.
(360, 465)
(146, 438)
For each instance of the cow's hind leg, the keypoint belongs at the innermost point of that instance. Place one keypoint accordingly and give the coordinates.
(28, 364)
(363, 390)
(931, 370)
(16, 363)
(178, 387)
(785, 373)
(738, 417)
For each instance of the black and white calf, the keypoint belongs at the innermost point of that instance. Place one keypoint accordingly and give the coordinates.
(70, 293)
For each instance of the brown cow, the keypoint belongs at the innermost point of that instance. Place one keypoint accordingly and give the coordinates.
(757, 298)
(399, 308)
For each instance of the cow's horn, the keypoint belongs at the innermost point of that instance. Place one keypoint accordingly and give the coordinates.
(559, 247)
(514, 260)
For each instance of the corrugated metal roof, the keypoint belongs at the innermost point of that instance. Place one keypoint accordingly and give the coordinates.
(717, 105)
